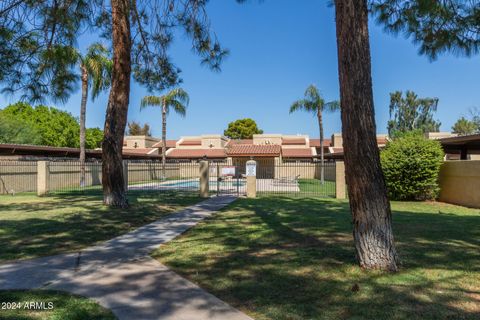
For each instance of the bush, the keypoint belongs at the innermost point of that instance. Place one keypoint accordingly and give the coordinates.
(411, 164)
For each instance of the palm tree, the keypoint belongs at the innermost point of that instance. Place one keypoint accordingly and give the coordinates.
(96, 72)
(177, 100)
(313, 102)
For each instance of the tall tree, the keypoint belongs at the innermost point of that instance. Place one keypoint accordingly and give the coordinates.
(371, 213)
(411, 113)
(242, 129)
(153, 23)
(437, 26)
(36, 37)
(114, 190)
(96, 72)
(176, 100)
(465, 127)
(313, 102)
(135, 129)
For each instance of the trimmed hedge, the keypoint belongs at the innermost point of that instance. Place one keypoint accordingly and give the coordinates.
(411, 165)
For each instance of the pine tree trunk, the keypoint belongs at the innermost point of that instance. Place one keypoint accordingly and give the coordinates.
(164, 138)
(372, 220)
(322, 155)
(83, 110)
(114, 191)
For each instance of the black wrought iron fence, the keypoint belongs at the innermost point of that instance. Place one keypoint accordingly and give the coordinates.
(226, 179)
(65, 176)
(153, 175)
(297, 179)
(18, 176)
(285, 178)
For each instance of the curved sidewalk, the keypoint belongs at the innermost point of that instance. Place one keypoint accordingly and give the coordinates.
(121, 276)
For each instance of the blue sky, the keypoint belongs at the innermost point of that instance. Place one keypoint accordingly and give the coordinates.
(278, 48)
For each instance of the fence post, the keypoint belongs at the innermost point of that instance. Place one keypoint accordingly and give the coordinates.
(251, 171)
(340, 180)
(204, 179)
(43, 177)
(125, 174)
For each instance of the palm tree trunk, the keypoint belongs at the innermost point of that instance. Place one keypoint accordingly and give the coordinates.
(164, 138)
(322, 156)
(83, 110)
(114, 191)
(372, 219)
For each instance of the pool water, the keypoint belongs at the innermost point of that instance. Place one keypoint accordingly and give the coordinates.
(196, 184)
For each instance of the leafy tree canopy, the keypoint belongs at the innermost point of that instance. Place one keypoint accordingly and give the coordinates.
(13, 130)
(38, 42)
(465, 127)
(411, 113)
(52, 127)
(437, 26)
(242, 129)
(93, 138)
(135, 129)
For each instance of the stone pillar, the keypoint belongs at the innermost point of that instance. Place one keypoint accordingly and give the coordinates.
(340, 184)
(251, 172)
(125, 174)
(43, 177)
(204, 179)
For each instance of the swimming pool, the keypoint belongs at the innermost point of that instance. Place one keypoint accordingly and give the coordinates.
(196, 184)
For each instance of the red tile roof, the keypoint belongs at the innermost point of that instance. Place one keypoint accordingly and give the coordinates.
(382, 141)
(196, 153)
(191, 143)
(254, 150)
(296, 152)
(47, 151)
(170, 144)
(316, 143)
(328, 142)
(293, 141)
(140, 151)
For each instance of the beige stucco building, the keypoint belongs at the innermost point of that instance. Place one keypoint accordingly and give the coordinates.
(265, 148)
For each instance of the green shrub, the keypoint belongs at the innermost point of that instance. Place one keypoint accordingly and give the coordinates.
(411, 164)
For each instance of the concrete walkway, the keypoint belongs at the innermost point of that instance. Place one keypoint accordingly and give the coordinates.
(121, 276)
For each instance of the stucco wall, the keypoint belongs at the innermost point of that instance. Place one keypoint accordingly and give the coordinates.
(460, 182)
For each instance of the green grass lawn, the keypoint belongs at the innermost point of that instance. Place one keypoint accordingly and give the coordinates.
(64, 306)
(293, 258)
(32, 226)
(315, 186)
(308, 188)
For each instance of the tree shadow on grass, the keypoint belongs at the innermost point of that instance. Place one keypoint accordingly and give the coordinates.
(284, 258)
(69, 221)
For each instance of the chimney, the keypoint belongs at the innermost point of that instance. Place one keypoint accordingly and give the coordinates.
(337, 140)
